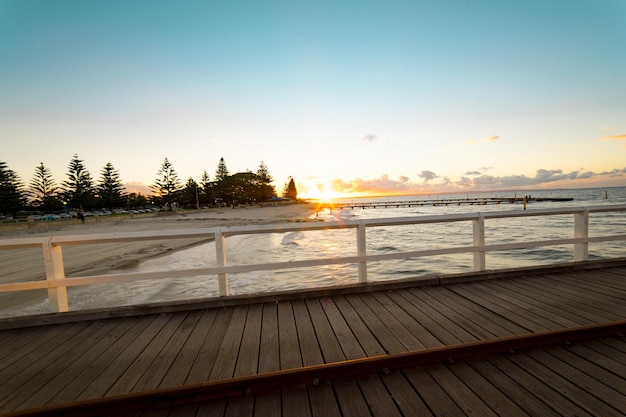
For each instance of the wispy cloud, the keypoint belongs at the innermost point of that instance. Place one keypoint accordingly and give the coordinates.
(472, 181)
(614, 137)
(483, 140)
(427, 175)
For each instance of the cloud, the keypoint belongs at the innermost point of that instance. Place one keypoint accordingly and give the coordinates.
(614, 137)
(427, 175)
(483, 140)
(474, 181)
(490, 139)
(370, 137)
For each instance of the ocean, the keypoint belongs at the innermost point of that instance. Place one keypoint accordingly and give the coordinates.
(249, 249)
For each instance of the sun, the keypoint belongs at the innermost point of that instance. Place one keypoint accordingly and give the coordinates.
(322, 191)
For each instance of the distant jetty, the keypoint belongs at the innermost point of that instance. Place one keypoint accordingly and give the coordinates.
(440, 202)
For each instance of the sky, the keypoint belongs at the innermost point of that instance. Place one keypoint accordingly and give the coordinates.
(347, 97)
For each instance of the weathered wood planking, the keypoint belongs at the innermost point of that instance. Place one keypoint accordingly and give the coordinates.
(93, 359)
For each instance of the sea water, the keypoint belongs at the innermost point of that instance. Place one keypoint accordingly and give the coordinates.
(303, 245)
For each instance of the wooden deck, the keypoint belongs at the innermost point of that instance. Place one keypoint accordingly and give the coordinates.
(108, 357)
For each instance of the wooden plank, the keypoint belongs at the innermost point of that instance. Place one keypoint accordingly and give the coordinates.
(396, 328)
(351, 400)
(205, 361)
(494, 324)
(227, 356)
(594, 365)
(483, 388)
(534, 384)
(601, 307)
(551, 297)
(269, 351)
(240, 407)
(592, 281)
(503, 296)
(29, 354)
(162, 326)
(48, 382)
(381, 332)
(289, 346)
(173, 348)
(309, 343)
(455, 320)
(329, 345)
(612, 279)
(120, 357)
(412, 304)
(120, 340)
(378, 399)
(533, 300)
(349, 344)
(432, 393)
(185, 358)
(588, 377)
(15, 341)
(615, 358)
(215, 408)
(323, 401)
(541, 369)
(513, 388)
(497, 307)
(366, 339)
(268, 404)
(405, 397)
(248, 361)
(413, 326)
(295, 401)
(460, 393)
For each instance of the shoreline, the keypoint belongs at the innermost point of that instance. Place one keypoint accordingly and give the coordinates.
(83, 260)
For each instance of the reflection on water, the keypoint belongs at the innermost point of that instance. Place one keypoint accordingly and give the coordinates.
(285, 247)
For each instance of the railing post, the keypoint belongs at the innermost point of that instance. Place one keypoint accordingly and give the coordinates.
(220, 251)
(478, 227)
(581, 230)
(361, 248)
(53, 261)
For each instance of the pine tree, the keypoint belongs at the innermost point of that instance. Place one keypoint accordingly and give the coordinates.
(43, 190)
(167, 185)
(264, 179)
(11, 197)
(221, 173)
(206, 189)
(189, 194)
(110, 188)
(290, 190)
(78, 190)
(223, 188)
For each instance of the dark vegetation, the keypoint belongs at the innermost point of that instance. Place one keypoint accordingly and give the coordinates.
(80, 193)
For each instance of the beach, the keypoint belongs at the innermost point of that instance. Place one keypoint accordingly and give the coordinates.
(27, 264)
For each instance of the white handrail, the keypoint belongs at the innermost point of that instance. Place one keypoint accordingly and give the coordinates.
(56, 284)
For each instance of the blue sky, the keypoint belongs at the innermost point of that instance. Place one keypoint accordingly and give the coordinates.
(354, 96)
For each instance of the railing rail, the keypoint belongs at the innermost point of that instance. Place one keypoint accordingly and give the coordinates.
(56, 282)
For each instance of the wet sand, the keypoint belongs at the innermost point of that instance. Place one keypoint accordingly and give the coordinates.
(27, 264)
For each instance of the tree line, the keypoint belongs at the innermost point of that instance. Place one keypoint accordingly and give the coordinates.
(81, 192)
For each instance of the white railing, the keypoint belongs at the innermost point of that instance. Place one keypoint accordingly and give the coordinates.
(56, 282)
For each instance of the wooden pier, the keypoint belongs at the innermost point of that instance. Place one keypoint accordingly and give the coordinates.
(543, 342)
(442, 202)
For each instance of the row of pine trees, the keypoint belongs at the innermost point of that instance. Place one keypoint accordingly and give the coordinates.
(81, 192)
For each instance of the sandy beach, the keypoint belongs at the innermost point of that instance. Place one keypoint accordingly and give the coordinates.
(27, 264)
